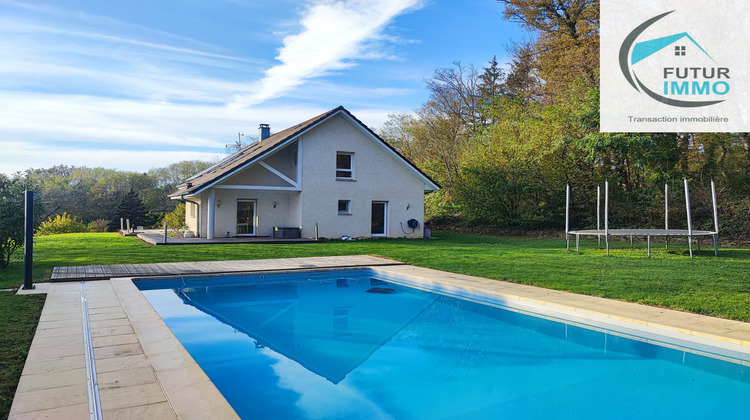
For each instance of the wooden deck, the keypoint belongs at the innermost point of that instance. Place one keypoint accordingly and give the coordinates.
(104, 272)
(155, 237)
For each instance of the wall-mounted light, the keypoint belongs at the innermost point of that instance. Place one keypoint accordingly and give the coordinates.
(218, 204)
(274, 204)
(408, 206)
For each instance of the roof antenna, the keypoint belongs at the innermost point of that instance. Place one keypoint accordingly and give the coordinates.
(236, 146)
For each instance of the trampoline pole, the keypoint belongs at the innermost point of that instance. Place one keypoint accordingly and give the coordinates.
(716, 219)
(716, 245)
(567, 217)
(666, 212)
(713, 201)
(598, 215)
(689, 220)
(606, 214)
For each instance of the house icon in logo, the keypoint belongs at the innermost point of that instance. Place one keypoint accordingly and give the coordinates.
(645, 49)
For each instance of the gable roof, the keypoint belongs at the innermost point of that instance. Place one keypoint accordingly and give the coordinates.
(257, 150)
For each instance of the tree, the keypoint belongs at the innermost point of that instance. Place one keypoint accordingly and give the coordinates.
(454, 94)
(523, 81)
(491, 82)
(172, 175)
(176, 219)
(92, 193)
(165, 181)
(561, 18)
(12, 212)
(129, 207)
(567, 43)
(491, 87)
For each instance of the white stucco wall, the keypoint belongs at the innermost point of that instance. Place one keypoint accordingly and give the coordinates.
(266, 215)
(225, 216)
(377, 177)
(191, 216)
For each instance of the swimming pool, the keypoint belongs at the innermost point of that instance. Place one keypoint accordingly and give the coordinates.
(355, 344)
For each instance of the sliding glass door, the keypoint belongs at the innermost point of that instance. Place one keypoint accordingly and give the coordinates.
(246, 217)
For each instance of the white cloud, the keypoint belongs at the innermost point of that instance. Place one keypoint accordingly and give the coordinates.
(22, 156)
(43, 130)
(334, 34)
(82, 89)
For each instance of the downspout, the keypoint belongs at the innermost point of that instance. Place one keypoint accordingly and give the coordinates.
(197, 214)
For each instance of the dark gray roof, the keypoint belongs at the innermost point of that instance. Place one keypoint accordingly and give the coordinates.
(251, 153)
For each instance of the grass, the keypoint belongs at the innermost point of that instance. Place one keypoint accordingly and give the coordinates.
(20, 315)
(717, 286)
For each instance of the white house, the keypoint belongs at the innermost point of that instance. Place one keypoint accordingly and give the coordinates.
(327, 177)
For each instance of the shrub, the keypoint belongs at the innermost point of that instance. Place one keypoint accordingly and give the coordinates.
(176, 219)
(62, 224)
(98, 225)
(155, 220)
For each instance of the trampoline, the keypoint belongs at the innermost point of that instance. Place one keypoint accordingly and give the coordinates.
(689, 233)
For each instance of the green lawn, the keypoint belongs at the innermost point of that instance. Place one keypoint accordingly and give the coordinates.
(718, 286)
(19, 315)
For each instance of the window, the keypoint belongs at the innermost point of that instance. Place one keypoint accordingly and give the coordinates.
(345, 207)
(344, 167)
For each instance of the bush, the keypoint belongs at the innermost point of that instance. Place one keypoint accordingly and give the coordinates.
(176, 219)
(154, 220)
(62, 224)
(98, 225)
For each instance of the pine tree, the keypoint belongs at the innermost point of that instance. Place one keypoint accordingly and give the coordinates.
(492, 81)
(130, 207)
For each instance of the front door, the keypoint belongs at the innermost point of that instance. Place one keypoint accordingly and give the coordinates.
(379, 218)
(246, 217)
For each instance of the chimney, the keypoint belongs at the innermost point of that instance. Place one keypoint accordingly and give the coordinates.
(264, 132)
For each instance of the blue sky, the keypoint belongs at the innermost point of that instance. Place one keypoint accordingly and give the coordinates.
(141, 84)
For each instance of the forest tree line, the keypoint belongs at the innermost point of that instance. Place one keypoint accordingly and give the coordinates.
(504, 140)
(80, 199)
(96, 194)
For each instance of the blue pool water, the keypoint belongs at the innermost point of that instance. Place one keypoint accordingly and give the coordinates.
(351, 345)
